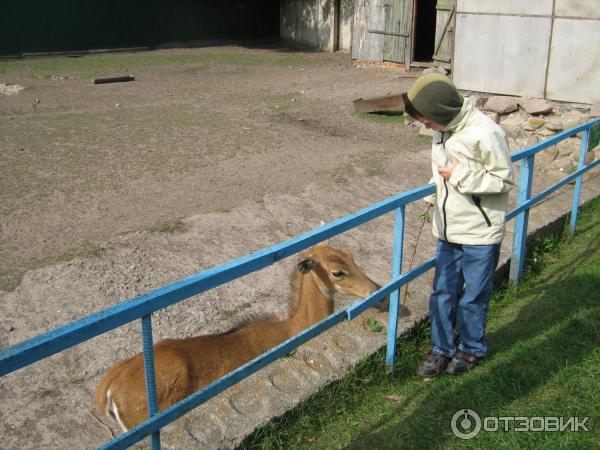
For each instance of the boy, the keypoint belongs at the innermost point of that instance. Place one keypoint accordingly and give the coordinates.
(472, 172)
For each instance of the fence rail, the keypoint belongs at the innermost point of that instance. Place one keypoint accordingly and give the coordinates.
(142, 307)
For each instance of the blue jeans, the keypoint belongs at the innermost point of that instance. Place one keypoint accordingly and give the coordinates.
(462, 289)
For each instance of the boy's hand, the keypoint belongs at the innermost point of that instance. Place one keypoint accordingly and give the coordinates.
(446, 172)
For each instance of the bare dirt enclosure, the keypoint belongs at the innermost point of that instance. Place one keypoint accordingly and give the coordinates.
(108, 191)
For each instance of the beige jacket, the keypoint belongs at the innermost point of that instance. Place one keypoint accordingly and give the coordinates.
(470, 208)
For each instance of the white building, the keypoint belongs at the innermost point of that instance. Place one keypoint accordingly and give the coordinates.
(539, 48)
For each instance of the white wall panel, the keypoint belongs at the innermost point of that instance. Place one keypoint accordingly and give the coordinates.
(578, 8)
(501, 54)
(543, 7)
(574, 70)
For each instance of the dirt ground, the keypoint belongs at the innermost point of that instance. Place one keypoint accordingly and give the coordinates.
(198, 131)
(108, 191)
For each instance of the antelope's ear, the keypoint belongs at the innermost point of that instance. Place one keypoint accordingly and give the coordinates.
(306, 265)
(323, 243)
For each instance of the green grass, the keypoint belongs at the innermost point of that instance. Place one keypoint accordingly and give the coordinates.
(9, 281)
(167, 226)
(385, 119)
(544, 338)
(594, 136)
(369, 165)
(77, 152)
(135, 63)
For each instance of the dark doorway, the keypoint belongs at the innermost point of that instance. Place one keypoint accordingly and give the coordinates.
(424, 43)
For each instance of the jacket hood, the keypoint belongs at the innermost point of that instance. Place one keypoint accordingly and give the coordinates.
(462, 118)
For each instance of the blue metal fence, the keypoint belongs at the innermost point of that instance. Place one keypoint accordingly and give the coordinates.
(142, 307)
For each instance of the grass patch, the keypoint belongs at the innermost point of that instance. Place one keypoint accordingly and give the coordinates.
(9, 281)
(594, 136)
(384, 119)
(85, 250)
(369, 165)
(424, 139)
(167, 226)
(78, 152)
(544, 338)
(89, 66)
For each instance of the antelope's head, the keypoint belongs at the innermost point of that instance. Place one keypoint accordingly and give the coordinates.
(334, 270)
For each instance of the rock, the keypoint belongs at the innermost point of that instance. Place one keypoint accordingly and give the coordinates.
(536, 122)
(544, 132)
(494, 116)
(10, 89)
(589, 157)
(567, 147)
(572, 119)
(553, 125)
(501, 104)
(512, 144)
(522, 142)
(547, 155)
(569, 123)
(477, 101)
(564, 164)
(434, 70)
(595, 111)
(535, 106)
(512, 124)
(532, 140)
(528, 127)
(511, 130)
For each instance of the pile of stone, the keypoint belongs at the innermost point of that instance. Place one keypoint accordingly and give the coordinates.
(528, 121)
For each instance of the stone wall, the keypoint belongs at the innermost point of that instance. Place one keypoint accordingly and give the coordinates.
(528, 121)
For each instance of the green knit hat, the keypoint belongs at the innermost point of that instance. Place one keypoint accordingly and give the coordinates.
(435, 97)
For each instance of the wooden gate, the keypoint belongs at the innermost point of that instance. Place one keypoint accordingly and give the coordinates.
(382, 30)
(444, 33)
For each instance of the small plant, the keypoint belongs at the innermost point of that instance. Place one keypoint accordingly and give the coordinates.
(426, 215)
(167, 226)
(543, 251)
(373, 325)
(9, 282)
(84, 250)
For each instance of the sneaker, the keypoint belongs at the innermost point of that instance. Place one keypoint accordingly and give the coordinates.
(461, 363)
(433, 365)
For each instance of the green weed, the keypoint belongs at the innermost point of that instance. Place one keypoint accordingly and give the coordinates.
(167, 226)
(384, 119)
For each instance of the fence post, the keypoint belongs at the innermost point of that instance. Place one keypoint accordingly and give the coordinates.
(397, 256)
(585, 139)
(150, 375)
(517, 262)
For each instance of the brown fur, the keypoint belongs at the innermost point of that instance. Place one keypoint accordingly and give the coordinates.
(185, 365)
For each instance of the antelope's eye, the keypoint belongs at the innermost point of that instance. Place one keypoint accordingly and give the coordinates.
(339, 273)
